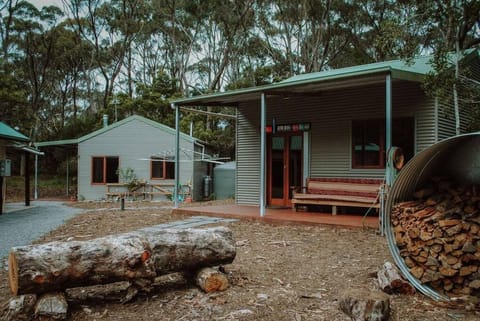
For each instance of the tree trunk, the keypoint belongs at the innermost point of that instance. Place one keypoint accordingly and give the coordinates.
(145, 253)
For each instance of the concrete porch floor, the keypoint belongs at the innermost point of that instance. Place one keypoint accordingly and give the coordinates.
(281, 215)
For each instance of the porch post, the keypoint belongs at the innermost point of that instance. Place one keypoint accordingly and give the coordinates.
(68, 174)
(35, 193)
(262, 154)
(388, 145)
(388, 121)
(177, 155)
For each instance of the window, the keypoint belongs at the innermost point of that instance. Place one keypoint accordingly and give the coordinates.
(368, 141)
(162, 168)
(104, 169)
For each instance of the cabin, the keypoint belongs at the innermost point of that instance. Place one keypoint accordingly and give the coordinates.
(334, 127)
(134, 158)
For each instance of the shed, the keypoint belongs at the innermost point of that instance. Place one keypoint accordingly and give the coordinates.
(139, 148)
(224, 181)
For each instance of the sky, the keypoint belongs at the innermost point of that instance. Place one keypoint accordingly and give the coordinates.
(42, 3)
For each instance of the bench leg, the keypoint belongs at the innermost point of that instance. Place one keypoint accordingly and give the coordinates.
(334, 210)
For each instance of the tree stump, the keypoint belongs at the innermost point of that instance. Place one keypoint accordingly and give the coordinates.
(145, 253)
(365, 306)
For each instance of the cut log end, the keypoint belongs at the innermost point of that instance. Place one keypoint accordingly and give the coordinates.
(210, 280)
(13, 273)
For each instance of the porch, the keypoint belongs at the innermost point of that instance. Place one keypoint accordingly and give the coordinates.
(281, 215)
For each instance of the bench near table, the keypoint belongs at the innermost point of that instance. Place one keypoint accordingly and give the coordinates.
(121, 190)
(351, 192)
(148, 190)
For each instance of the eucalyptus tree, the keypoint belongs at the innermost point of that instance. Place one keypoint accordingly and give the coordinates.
(32, 52)
(226, 28)
(110, 27)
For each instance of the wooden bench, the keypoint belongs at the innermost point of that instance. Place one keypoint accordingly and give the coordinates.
(165, 189)
(122, 190)
(351, 192)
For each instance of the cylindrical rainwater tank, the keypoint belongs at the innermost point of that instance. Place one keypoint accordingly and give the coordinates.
(457, 157)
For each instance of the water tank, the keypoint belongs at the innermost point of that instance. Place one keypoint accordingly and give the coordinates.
(224, 183)
(456, 160)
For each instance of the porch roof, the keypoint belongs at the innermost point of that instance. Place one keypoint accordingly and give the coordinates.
(314, 83)
(7, 132)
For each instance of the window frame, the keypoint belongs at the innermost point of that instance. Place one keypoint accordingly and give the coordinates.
(164, 163)
(104, 169)
(380, 123)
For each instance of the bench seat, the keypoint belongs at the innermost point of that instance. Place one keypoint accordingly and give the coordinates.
(352, 192)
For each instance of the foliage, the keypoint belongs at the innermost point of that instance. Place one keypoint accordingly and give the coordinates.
(61, 71)
(128, 176)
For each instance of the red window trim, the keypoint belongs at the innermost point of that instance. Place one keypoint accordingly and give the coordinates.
(104, 179)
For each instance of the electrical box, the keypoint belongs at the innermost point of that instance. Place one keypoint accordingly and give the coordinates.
(5, 167)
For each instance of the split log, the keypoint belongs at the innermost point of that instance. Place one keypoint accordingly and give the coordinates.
(390, 280)
(19, 308)
(51, 306)
(145, 253)
(362, 306)
(210, 280)
(120, 292)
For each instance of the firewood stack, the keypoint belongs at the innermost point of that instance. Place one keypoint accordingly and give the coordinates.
(438, 236)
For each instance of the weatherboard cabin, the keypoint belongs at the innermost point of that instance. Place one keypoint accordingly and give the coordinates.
(332, 125)
(134, 158)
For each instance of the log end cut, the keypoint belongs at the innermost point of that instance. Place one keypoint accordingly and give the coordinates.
(13, 273)
(210, 280)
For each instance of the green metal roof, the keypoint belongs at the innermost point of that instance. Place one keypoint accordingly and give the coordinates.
(318, 81)
(112, 126)
(8, 132)
(399, 69)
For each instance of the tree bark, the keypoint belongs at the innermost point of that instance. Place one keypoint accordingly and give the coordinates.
(145, 253)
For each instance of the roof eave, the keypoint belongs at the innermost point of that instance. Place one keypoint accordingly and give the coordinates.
(212, 98)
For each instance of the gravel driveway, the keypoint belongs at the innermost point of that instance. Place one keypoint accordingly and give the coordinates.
(20, 225)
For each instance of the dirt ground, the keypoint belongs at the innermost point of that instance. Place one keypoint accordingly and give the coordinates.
(281, 272)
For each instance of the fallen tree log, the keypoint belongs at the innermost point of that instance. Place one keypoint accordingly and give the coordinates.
(145, 253)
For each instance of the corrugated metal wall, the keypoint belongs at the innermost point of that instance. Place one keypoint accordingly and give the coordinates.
(247, 176)
(330, 115)
(133, 142)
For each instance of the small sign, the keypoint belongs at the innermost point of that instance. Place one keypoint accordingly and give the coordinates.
(287, 128)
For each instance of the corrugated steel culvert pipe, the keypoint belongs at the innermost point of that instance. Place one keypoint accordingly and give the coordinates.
(457, 157)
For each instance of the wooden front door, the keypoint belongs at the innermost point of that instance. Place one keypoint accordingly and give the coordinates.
(285, 159)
